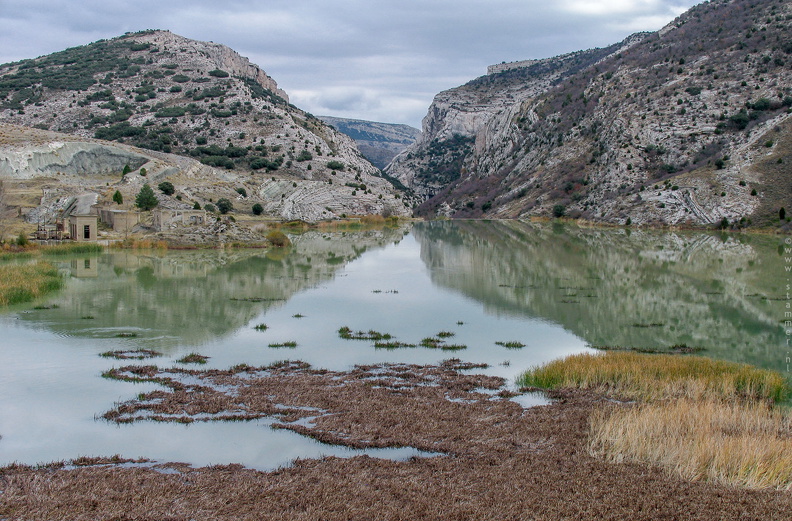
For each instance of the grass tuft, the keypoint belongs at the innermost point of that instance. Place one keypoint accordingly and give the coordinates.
(513, 344)
(193, 358)
(289, 343)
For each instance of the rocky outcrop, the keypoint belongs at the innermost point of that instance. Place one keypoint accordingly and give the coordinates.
(689, 125)
(198, 54)
(72, 159)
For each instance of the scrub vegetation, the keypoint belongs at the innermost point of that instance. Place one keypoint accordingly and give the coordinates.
(699, 418)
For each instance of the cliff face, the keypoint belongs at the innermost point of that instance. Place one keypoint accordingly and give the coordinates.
(378, 142)
(169, 95)
(688, 124)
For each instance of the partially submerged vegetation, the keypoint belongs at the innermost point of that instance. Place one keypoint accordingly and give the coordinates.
(131, 354)
(193, 358)
(24, 283)
(289, 343)
(700, 418)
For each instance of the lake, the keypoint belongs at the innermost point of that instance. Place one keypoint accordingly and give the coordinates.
(557, 289)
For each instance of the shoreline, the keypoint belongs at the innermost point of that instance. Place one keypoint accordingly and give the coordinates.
(499, 460)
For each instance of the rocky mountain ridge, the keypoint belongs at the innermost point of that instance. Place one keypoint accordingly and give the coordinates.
(378, 142)
(688, 125)
(169, 96)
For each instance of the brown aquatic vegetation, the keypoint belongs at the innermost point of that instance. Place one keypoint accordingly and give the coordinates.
(131, 354)
(497, 460)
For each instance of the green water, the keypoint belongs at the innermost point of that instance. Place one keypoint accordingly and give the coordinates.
(555, 289)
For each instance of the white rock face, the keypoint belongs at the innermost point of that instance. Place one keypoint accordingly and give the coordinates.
(666, 128)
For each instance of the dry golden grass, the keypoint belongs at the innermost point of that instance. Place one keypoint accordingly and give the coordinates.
(656, 377)
(739, 444)
(23, 283)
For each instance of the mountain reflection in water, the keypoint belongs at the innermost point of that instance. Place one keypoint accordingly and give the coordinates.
(621, 287)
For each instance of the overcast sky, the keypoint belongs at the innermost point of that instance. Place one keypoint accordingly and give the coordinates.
(366, 59)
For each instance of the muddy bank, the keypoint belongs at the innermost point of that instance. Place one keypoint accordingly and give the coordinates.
(498, 460)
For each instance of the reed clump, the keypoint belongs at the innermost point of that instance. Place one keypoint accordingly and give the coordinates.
(72, 248)
(24, 283)
(735, 443)
(655, 377)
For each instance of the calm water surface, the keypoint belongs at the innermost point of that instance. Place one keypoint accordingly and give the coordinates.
(556, 289)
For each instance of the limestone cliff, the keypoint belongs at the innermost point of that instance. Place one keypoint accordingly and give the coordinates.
(690, 124)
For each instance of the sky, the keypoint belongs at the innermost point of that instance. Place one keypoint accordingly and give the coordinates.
(363, 59)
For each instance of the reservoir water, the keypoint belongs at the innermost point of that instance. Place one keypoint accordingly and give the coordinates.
(556, 289)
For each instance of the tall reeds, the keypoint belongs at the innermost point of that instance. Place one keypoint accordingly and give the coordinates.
(23, 283)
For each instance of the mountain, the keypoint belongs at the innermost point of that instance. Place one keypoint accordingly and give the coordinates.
(687, 125)
(167, 94)
(378, 142)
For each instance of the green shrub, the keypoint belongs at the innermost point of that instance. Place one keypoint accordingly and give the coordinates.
(224, 205)
(166, 187)
(258, 209)
(559, 210)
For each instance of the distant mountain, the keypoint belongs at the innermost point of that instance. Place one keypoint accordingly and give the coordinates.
(168, 94)
(378, 142)
(690, 124)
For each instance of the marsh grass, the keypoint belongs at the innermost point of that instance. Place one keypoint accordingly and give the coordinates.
(439, 343)
(348, 334)
(193, 358)
(512, 344)
(736, 443)
(654, 377)
(261, 327)
(71, 248)
(23, 283)
(133, 354)
(289, 343)
(393, 344)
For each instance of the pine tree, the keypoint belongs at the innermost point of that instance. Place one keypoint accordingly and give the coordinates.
(146, 200)
(118, 198)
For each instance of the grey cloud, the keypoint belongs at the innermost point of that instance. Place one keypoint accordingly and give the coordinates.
(354, 58)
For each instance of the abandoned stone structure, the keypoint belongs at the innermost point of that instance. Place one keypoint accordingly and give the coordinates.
(165, 219)
(119, 220)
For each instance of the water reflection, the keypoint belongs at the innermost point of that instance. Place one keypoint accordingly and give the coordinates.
(620, 287)
(191, 297)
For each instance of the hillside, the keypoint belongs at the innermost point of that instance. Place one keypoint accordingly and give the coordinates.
(378, 142)
(688, 125)
(167, 94)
